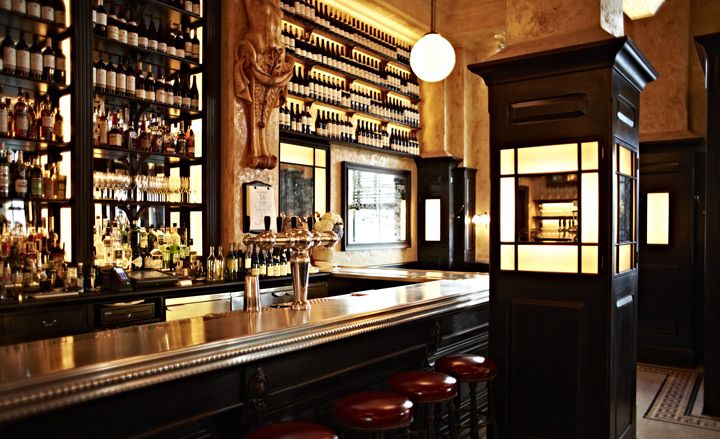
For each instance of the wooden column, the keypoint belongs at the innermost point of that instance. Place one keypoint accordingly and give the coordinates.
(563, 328)
(709, 50)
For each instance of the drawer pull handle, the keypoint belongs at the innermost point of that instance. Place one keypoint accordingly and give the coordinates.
(49, 324)
(129, 315)
(280, 294)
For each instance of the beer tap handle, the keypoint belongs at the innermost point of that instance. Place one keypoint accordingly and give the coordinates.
(311, 223)
(279, 223)
(246, 224)
(267, 223)
(293, 222)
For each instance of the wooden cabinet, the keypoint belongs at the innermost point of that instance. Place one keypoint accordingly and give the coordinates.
(45, 324)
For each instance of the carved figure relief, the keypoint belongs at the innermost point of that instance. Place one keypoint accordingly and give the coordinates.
(262, 72)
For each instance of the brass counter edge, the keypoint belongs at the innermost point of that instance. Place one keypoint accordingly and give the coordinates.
(80, 386)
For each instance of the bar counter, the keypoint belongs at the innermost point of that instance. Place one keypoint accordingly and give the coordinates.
(56, 380)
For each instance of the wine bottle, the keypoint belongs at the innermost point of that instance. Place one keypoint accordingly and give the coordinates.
(179, 44)
(177, 90)
(142, 33)
(46, 121)
(19, 184)
(152, 34)
(59, 12)
(110, 76)
(194, 95)
(36, 180)
(49, 62)
(22, 52)
(149, 84)
(33, 8)
(36, 59)
(132, 28)
(139, 82)
(120, 78)
(4, 173)
(4, 115)
(59, 72)
(162, 38)
(185, 93)
(100, 18)
(9, 53)
(112, 23)
(100, 75)
(195, 46)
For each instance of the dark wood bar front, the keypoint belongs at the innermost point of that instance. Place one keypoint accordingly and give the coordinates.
(224, 374)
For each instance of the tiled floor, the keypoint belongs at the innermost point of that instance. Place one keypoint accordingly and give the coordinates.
(648, 386)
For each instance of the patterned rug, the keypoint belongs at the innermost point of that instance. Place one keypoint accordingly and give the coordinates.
(675, 402)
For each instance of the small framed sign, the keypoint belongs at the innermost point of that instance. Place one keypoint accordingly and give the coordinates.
(259, 202)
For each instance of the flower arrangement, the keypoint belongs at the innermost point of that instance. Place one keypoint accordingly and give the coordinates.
(328, 222)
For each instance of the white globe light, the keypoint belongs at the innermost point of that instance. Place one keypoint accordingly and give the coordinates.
(432, 58)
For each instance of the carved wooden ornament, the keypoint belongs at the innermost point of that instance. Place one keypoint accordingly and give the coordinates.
(262, 72)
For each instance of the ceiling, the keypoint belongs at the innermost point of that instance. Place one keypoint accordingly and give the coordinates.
(475, 25)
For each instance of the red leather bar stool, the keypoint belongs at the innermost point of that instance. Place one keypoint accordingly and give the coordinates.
(374, 413)
(430, 390)
(471, 369)
(292, 430)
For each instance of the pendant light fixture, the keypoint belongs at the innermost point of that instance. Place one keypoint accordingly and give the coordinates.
(432, 58)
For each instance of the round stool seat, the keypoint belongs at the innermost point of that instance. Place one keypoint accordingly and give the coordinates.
(467, 367)
(293, 430)
(424, 387)
(374, 411)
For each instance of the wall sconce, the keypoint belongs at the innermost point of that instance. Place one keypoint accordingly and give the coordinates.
(483, 218)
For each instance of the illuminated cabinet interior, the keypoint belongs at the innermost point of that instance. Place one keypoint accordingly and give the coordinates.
(563, 229)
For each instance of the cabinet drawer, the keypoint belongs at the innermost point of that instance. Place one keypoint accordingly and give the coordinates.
(47, 323)
(119, 315)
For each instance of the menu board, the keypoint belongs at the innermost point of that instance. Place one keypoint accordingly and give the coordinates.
(259, 203)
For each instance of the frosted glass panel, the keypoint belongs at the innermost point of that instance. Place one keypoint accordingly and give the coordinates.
(507, 161)
(589, 156)
(320, 189)
(66, 231)
(548, 159)
(507, 209)
(196, 223)
(626, 160)
(548, 258)
(299, 155)
(590, 208)
(320, 158)
(624, 258)
(507, 257)
(658, 218)
(590, 259)
(432, 219)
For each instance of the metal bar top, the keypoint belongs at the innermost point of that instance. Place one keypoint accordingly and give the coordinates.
(47, 374)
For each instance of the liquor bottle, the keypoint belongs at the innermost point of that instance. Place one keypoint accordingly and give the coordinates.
(20, 111)
(255, 261)
(102, 129)
(231, 264)
(59, 12)
(58, 127)
(33, 8)
(115, 135)
(4, 115)
(181, 141)
(48, 62)
(9, 53)
(36, 59)
(59, 183)
(100, 19)
(190, 142)
(22, 53)
(210, 270)
(31, 116)
(18, 183)
(4, 173)
(36, 180)
(219, 265)
(143, 137)
(46, 121)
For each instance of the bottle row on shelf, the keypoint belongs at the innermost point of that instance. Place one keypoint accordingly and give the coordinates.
(334, 55)
(353, 29)
(30, 180)
(27, 120)
(33, 261)
(120, 79)
(126, 26)
(35, 61)
(134, 247)
(242, 260)
(326, 88)
(153, 135)
(48, 10)
(338, 126)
